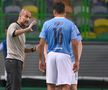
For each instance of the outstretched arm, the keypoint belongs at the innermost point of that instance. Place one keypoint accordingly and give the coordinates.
(21, 31)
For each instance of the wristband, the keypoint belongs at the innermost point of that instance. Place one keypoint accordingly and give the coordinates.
(32, 49)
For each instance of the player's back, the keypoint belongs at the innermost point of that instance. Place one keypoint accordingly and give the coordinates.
(59, 32)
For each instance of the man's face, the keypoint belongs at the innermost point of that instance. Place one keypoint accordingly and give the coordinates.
(25, 18)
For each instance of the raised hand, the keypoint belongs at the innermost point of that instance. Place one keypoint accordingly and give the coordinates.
(32, 23)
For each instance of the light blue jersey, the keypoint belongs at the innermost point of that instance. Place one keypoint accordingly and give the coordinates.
(58, 33)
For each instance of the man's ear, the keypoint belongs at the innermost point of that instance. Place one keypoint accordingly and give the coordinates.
(54, 12)
(65, 14)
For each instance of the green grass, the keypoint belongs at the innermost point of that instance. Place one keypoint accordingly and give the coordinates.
(30, 88)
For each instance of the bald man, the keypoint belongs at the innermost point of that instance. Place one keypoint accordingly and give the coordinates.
(16, 49)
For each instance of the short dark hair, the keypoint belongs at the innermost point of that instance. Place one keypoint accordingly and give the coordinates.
(59, 7)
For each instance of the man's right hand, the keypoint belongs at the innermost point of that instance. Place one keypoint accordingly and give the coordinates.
(31, 25)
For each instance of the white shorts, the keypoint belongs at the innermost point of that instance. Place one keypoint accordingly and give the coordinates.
(59, 69)
(74, 76)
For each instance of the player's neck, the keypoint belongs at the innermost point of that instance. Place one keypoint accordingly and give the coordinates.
(60, 15)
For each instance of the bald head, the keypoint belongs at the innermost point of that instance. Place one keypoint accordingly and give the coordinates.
(24, 17)
(24, 11)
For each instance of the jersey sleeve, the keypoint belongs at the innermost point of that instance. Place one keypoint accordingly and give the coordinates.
(79, 37)
(43, 32)
(73, 32)
(11, 29)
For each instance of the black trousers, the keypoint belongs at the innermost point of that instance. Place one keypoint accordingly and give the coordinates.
(14, 73)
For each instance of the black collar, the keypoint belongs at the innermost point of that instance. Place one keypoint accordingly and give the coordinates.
(20, 25)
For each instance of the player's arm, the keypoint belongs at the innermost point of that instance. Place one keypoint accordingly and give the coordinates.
(41, 54)
(21, 31)
(79, 38)
(75, 51)
(41, 48)
(45, 50)
(79, 49)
